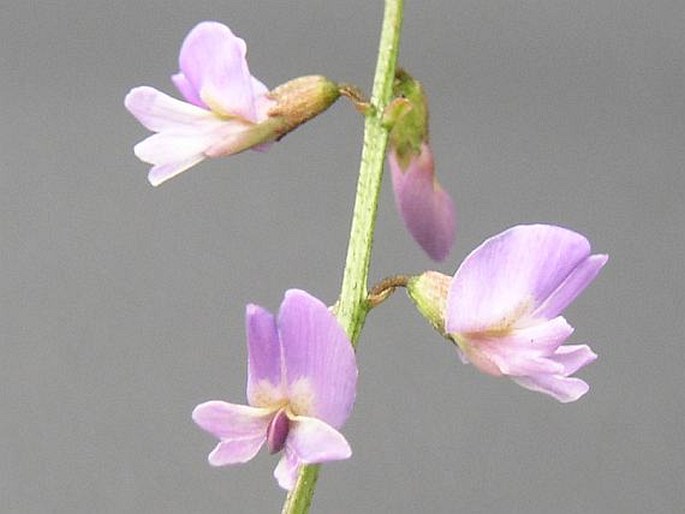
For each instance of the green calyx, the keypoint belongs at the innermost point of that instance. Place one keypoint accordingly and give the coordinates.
(407, 117)
(429, 291)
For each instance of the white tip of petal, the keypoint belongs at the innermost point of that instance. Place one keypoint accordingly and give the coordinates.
(287, 469)
(163, 172)
(314, 441)
(240, 451)
(562, 389)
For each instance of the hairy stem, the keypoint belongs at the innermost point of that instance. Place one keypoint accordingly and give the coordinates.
(352, 306)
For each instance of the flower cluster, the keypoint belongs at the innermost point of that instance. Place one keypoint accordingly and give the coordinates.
(502, 308)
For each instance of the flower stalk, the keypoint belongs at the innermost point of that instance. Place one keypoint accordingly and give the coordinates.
(352, 306)
(386, 287)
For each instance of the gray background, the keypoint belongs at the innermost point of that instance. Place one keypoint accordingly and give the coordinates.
(122, 305)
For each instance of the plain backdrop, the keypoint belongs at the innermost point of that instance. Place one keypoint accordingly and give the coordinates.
(123, 304)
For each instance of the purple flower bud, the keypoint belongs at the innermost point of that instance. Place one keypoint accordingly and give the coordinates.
(425, 208)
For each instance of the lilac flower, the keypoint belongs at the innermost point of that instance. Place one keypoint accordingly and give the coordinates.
(424, 206)
(227, 110)
(301, 386)
(502, 307)
(225, 104)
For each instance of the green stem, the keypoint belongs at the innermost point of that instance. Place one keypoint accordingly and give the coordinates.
(352, 307)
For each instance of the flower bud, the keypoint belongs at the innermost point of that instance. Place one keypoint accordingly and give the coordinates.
(301, 99)
(425, 207)
(429, 291)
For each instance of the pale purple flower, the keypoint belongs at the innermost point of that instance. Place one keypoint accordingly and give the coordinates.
(424, 206)
(301, 385)
(222, 113)
(504, 304)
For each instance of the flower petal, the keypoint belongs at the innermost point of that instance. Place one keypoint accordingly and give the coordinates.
(424, 206)
(318, 354)
(287, 469)
(212, 59)
(160, 112)
(171, 154)
(187, 90)
(314, 441)
(232, 421)
(236, 135)
(174, 151)
(564, 389)
(235, 451)
(263, 104)
(187, 134)
(574, 357)
(163, 172)
(571, 287)
(259, 88)
(499, 285)
(168, 148)
(518, 351)
(520, 365)
(264, 355)
(512, 349)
